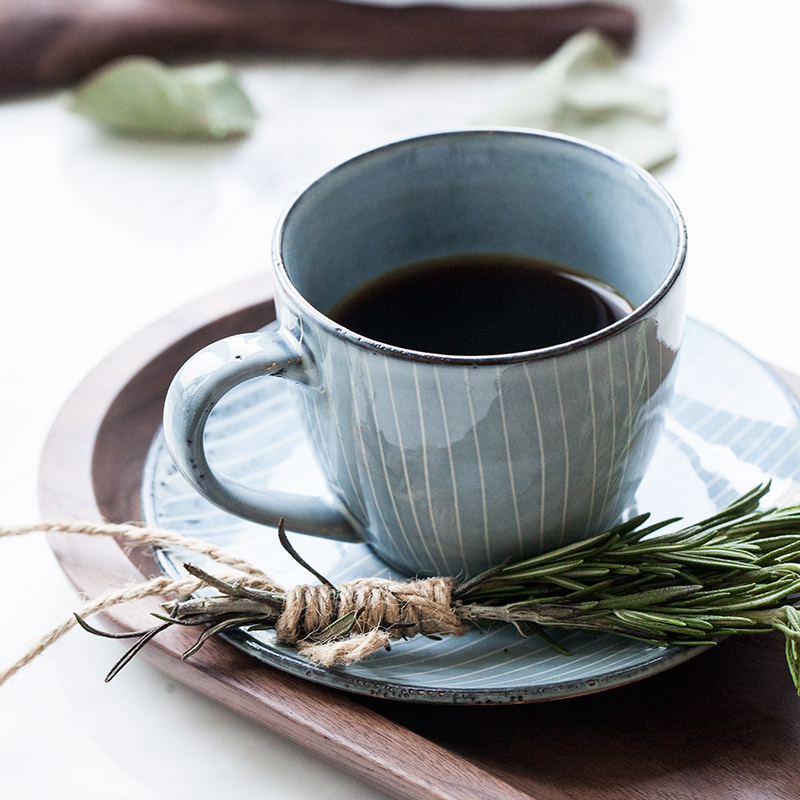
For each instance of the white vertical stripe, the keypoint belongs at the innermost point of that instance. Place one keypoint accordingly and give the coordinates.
(402, 451)
(456, 506)
(629, 416)
(648, 399)
(542, 469)
(484, 504)
(337, 424)
(425, 467)
(590, 514)
(613, 460)
(514, 502)
(566, 453)
(411, 552)
(367, 468)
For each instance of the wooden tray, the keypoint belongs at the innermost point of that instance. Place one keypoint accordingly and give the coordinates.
(726, 724)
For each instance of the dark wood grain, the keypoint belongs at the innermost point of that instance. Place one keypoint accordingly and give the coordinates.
(724, 725)
(47, 43)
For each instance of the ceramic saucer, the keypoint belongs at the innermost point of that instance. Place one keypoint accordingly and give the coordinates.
(732, 424)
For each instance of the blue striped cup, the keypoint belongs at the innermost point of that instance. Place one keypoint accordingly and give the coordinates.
(449, 464)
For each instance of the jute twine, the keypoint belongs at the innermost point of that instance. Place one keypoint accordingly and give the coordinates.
(385, 610)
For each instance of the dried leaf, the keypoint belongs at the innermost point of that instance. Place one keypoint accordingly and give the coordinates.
(142, 96)
(582, 90)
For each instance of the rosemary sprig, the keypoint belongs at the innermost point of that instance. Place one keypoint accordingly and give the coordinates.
(736, 572)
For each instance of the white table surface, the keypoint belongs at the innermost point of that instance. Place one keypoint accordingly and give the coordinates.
(99, 237)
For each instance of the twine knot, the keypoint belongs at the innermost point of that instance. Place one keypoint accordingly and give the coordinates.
(379, 610)
(382, 610)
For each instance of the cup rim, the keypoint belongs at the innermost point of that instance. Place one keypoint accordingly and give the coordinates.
(341, 332)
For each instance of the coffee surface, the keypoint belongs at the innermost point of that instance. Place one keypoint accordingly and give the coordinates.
(483, 304)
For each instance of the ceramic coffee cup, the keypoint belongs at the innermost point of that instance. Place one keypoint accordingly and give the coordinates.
(449, 464)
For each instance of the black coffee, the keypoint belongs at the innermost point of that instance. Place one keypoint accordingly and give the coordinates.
(479, 305)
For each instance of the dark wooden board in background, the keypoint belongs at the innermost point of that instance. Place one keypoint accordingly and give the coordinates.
(51, 43)
(726, 724)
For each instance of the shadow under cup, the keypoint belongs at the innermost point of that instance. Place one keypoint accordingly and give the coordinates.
(449, 464)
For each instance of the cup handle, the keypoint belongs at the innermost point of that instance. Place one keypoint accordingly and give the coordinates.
(198, 386)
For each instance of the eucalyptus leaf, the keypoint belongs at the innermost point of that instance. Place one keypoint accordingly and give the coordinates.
(583, 90)
(143, 97)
